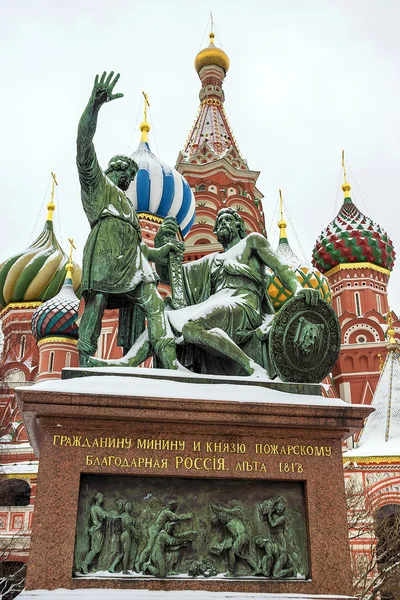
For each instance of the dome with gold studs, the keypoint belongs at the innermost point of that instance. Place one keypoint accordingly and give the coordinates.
(38, 272)
(307, 275)
(352, 237)
(211, 56)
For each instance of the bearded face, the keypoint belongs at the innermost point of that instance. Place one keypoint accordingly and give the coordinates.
(226, 229)
(121, 172)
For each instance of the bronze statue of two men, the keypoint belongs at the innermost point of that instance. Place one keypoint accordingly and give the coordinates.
(225, 292)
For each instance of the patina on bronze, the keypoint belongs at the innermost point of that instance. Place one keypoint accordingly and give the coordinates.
(116, 272)
(219, 308)
(148, 526)
(304, 341)
(232, 317)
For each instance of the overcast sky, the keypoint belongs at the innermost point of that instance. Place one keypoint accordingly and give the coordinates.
(307, 78)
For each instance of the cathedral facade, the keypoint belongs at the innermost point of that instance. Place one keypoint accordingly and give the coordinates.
(351, 264)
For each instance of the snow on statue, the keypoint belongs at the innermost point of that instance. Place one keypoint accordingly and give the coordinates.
(116, 272)
(228, 310)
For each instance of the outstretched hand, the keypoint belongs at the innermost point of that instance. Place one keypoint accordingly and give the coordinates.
(103, 88)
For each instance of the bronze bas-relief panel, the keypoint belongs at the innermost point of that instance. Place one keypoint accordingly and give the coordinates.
(169, 526)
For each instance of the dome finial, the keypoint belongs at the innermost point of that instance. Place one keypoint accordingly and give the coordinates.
(346, 186)
(145, 125)
(212, 35)
(51, 206)
(70, 265)
(282, 223)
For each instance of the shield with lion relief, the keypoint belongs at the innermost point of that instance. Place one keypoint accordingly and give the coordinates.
(304, 341)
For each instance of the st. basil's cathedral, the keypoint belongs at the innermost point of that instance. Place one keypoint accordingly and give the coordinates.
(351, 264)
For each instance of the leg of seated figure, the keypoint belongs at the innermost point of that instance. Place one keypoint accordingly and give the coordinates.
(140, 351)
(217, 342)
(160, 336)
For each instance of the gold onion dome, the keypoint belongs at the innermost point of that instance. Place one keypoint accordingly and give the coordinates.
(37, 273)
(211, 56)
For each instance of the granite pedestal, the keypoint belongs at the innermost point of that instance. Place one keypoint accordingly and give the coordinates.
(111, 427)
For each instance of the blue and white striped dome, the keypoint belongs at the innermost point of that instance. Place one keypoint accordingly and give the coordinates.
(160, 190)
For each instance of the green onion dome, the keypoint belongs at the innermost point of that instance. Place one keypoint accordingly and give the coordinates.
(37, 273)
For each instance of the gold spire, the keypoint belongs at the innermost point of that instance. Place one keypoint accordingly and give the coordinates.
(282, 223)
(391, 330)
(346, 186)
(145, 125)
(51, 206)
(70, 265)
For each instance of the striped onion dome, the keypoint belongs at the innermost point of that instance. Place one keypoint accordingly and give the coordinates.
(160, 190)
(307, 275)
(37, 273)
(57, 316)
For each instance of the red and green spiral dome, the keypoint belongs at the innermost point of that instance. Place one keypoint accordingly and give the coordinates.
(352, 238)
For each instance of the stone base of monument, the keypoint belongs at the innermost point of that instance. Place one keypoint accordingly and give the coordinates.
(61, 594)
(210, 485)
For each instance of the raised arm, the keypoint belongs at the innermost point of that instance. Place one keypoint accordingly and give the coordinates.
(88, 166)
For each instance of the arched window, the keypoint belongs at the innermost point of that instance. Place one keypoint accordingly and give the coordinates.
(68, 359)
(51, 362)
(349, 364)
(202, 241)
(15, 492)
(358, 303)
(201, 188)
